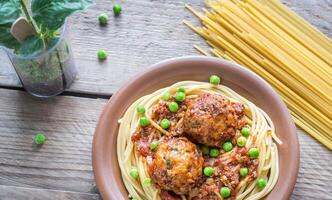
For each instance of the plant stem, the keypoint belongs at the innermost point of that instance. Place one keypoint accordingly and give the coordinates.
(27, 15)
(30, 20)
(25, 10)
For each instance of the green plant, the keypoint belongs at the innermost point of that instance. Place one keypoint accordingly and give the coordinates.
(45, 16)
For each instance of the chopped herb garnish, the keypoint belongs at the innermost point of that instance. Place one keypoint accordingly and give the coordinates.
(175, 149)
(168, 163)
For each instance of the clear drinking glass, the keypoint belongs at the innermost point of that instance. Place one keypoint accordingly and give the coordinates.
(50, 72)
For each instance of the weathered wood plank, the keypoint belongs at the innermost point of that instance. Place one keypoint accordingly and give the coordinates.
(146, 32)
(19, 193)
(315, 173)
(64, 162)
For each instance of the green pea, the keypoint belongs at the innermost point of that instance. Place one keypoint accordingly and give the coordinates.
(241, 141)
(134, 173)
(261, 183)
(165, 123)
(245, 131)
(244, 171)
(153, 145)
(40, 138)
(225, 192)
(103, 19)
(205, 150)
(253, 152)
(214, 79)
(208, 171)
(180, 96)
(166, 96)
(140, 109)
(173, 107)
(181, 89)
(214, 152)
(227, 146)
(147, 181)
(102, 54)
(117, 9)
(143, 121)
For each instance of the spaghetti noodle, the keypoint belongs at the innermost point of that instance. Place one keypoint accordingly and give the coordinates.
(159, 164)
(284, 49)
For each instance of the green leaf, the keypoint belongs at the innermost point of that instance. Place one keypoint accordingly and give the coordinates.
(52, 14)
(31, 46)
(6, 39)
(9, 11)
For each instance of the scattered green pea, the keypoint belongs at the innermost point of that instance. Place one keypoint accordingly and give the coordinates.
(214, 79)
(102, 54)
(241, 141)
(227, 146)
(134, 173)
(205, 150)
(225, 192)
(253, 152)
(153, 145)
(117, 9)
(143, 121)
(180, 96)
(103, 19)
(208, 171)
(261, 183)
(173, 107)
(181, 89)
(147, 181)
(165, 123)
(40, 138)
(214, 152)
(140, 109)
(166, 96)
(245, 131)
(244, 171)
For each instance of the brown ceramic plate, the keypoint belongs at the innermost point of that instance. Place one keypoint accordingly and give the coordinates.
(246, 83)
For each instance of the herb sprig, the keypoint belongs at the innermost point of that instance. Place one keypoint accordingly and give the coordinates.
(45, 16)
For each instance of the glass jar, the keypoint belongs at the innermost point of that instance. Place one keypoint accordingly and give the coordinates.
(50, 72)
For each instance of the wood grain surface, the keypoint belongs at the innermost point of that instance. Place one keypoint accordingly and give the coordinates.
(64, 162)
(61, 168)
(146, 32)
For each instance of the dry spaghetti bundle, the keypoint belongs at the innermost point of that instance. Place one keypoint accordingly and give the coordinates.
(272, 41)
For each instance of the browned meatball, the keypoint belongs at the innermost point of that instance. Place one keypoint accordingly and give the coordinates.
(208, 192)
(212, 119)
(176, 165)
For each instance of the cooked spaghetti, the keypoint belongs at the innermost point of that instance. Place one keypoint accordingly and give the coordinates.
(199, 141)
(275, 43)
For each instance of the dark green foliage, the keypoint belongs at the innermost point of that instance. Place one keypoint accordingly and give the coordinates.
(52, 14)
(49, 16)
(6, 39)
(9, 12)
(31, 46)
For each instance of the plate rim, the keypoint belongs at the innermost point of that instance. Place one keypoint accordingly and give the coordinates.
(96, 158)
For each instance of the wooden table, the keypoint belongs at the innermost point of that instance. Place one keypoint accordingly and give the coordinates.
(146, 32)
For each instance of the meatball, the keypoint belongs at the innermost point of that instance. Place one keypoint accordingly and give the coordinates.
(176, 165)
(212, 119)
(208, 192)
